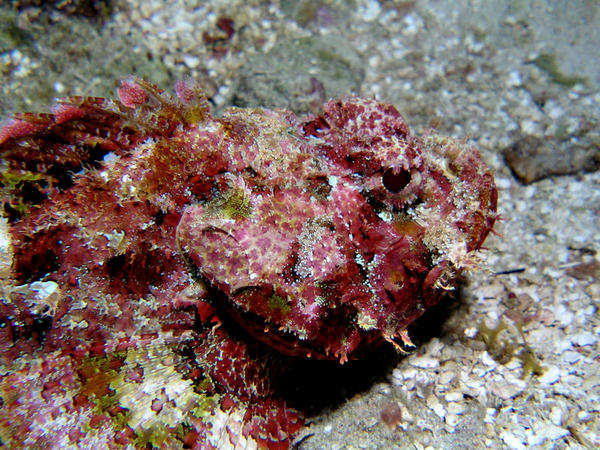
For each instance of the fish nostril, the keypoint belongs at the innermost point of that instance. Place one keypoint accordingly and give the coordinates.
(395, 182)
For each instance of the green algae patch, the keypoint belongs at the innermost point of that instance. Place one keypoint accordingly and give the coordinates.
(503, 350)
(547, 63)
(277, 302)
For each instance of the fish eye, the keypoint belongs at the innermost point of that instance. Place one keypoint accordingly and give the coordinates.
(395, 182)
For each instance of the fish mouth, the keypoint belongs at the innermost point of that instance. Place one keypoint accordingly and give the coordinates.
(268, 334)
(320, 345)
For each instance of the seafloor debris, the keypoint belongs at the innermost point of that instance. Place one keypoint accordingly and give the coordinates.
(160, 256)
(532, 159)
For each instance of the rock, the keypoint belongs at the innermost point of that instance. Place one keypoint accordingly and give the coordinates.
(583, 339)
(532, 159)
(585, 270)
(550, 432)
(425, 362)
(551, 375)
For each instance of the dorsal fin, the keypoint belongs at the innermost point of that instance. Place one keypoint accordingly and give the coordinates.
(80, 131)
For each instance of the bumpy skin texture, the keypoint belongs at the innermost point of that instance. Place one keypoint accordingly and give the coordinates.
(347, 227)
(138, 226)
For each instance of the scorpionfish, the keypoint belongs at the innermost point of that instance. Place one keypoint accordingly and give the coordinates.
(154, 256)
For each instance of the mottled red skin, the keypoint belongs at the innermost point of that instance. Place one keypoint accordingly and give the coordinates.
(312, 262)
(319, 236)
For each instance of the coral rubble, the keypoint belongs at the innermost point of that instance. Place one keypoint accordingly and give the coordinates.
(158, 254)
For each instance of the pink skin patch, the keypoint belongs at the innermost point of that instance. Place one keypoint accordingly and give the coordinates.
(185, 91)
(16, 129)
(64, 113)
(131, 94)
